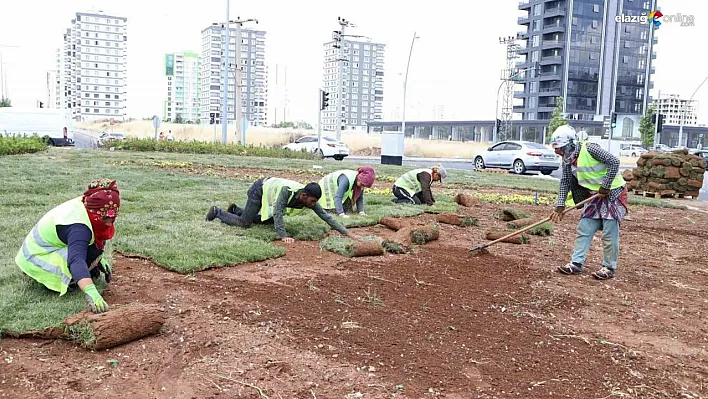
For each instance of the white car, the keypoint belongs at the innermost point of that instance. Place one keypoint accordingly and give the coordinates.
(520, 156)
(106, 138)
(632, 151)
(331, 148)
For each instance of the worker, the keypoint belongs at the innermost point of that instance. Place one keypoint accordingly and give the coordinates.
(344, 188)
(65, 248)
(589, 170)
(414, 186)
(272, 198)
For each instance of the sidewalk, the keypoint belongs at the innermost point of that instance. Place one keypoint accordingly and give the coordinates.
(413, 159)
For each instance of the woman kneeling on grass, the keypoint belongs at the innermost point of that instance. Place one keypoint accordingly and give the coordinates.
(343, 188)
(65, 248)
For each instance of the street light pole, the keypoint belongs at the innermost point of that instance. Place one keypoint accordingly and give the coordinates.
(225, 94)
(683, 113)
(405, 84)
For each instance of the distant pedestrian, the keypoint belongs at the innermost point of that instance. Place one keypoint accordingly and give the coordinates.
(170, 137)
(162, 136)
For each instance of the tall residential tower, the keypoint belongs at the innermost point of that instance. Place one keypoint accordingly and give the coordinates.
(598, 65)
(94, 67)
(362, 84)
(183, 86)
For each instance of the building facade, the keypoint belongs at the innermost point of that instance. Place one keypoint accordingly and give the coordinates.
(362, 84)
(598, 65)
(253, 82)
(93, 70)
(53, 85)
(675, 109)
(182, 83)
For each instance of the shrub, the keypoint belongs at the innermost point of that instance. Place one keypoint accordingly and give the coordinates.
(199, 147)
(15, 144)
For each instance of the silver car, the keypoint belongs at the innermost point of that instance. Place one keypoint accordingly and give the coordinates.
(520, 156)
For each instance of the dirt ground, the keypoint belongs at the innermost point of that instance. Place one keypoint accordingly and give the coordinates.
(435, 323)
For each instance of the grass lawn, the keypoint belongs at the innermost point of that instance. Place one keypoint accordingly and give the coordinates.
(162, 215)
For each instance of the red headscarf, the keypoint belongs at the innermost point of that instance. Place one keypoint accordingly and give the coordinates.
(366, 176)
(102, 200)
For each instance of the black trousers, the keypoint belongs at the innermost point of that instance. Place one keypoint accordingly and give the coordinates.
(248, 215)
(404, 197)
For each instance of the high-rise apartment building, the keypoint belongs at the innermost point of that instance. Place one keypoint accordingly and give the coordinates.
(362, 84)
(182, 103)
(674, 109)
(94, 67)
(53, 85)
(598, 65)
(253, 84)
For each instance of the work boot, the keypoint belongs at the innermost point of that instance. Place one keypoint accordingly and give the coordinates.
(211, 215)
(235, 209)
(604, 274)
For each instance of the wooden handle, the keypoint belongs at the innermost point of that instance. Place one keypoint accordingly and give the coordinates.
(540, 222)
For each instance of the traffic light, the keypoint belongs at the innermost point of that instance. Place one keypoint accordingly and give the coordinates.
(212, 115)
(324, 100)
(613, 121)
(660, 123)
(498, 123)
(41, 104)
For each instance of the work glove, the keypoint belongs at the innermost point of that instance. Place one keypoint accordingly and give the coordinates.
(604, 192)
(95, 300)
(106, 269)
(344, 216)
(557, 215)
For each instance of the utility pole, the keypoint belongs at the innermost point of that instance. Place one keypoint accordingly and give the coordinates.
(509, 76)
(405, 84)
(683, 113)
(613, 108)
(225, 94)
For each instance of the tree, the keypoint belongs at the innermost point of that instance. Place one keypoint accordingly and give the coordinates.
(284, 125)
(303, 125)
(557, 118)
(5, 102)
(179, 119)
(646, 127)
(198, 121)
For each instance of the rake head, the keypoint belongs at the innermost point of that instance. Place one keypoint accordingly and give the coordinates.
(481, 250)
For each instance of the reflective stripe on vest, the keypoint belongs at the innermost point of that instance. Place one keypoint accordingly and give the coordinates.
(409, 181)
(330, 186)
(591, 172)
(43, 256)
(271, 191)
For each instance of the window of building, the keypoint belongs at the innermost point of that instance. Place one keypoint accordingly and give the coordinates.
(593, 55)
(536, 25)
(625, 59)
(575, 21)
(596, 8)
(537, 10)
(535, 41)
(534, 56)
(595, 23)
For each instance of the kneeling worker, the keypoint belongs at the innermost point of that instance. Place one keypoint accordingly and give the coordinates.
(414, 186)
(343, 188)
(65, 248)
(272, 198)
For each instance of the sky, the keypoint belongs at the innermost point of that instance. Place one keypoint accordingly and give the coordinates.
(455, 63)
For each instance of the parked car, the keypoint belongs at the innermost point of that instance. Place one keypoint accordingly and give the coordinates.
(520, 156)
(107, 138)
(632, 151)
(661, 148)
(704, 154)
(331, 148)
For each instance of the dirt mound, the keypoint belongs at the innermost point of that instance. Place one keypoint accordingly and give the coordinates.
(368, 152)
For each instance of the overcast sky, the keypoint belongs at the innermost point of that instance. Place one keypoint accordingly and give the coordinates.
(456, 62)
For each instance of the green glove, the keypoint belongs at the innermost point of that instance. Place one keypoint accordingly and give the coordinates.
(107, 271)
(95, 300)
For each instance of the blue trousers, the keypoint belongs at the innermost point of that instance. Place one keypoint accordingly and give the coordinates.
(610, 241)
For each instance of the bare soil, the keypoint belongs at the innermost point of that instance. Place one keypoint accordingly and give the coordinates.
(433, 323)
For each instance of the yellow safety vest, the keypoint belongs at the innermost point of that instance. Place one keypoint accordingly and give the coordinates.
(409, 181)
(591, 172)
(43, 256)
(272, 187)
(330, 186)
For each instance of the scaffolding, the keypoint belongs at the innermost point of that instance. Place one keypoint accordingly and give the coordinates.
(509, 76)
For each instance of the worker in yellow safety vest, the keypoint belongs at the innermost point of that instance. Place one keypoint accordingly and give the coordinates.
(271, 198)
(414, 186)
(342, 189)
(589, 170)
(65, 248)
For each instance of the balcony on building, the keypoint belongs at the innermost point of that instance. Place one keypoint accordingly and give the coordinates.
(551, 44)
(556, 27)
(557, 11)
(546, 76)
(524, 20)
(519, 108)
(525, 5)
(520, 94)
(522, 35)
(551, 60)
(549, 92)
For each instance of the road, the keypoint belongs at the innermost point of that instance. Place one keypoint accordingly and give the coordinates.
(87, 139)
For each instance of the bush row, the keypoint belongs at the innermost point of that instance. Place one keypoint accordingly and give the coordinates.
(13, 145)
(200, 147)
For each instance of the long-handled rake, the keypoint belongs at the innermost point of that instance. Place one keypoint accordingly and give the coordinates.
(482, 249)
